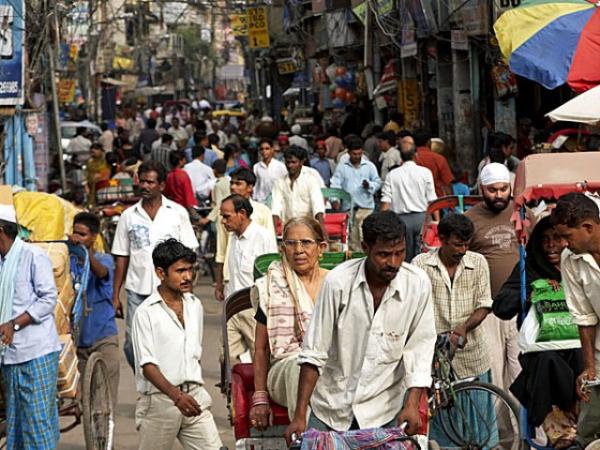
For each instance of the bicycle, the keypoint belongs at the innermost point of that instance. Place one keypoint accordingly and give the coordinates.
(468, 411)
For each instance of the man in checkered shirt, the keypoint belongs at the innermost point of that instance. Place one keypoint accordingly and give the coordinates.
(462, 299)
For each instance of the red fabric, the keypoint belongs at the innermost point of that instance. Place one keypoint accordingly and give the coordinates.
(442, 175)
(179, 188)
(336, 225)
(242, 388)
(585, 68)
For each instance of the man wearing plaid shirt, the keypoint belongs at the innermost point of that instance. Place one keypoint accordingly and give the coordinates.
(462, 299)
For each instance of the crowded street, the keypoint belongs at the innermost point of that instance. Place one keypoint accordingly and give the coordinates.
(283, 225)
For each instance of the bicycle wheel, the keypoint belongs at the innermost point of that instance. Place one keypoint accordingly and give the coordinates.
(480, 416)
(98, 414)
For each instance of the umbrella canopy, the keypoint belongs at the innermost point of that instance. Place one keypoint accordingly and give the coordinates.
(553, 42)
(585, 108)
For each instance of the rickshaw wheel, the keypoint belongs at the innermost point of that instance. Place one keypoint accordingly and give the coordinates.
(98, 414)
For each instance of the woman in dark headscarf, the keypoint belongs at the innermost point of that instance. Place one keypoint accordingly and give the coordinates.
(548, 377)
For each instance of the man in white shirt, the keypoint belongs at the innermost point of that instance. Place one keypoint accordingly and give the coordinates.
(407, 191)
(173, 402)
(202, 177)
(180, 136)
(576, 220)
(368, 350)
(297, 194)
(267, 171)
(79, 147)
(107, 138)
(389, 157)
(216, 129)
(298, 140)
(248, 240)
(153, 219)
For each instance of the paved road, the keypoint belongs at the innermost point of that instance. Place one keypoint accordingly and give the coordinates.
(126, 435)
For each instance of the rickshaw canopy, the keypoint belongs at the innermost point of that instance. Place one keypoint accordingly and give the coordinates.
(548, 176)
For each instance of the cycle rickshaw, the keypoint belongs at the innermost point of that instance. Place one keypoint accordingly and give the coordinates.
(540, 181)
(85, 398)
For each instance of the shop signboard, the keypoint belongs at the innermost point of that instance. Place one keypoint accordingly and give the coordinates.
(239, 24)
(66, 90)
(285, 66)
(409, 101)
(258, 27)
(12, 31)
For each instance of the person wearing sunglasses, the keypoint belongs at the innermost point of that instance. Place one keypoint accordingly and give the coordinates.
(284, 300)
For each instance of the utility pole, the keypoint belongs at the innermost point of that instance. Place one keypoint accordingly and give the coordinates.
(53, 39)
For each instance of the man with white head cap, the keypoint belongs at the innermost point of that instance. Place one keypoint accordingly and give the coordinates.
(29, 344)
(495, 238)
(298, 140)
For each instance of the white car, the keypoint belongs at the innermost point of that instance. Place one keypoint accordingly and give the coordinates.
(68, 130)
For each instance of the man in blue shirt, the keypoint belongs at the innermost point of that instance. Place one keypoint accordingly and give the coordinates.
(320, 163)
(359, 178)
(29, 345)
(98, 328)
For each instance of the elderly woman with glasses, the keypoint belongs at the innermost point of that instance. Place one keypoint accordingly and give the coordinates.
(284, 299)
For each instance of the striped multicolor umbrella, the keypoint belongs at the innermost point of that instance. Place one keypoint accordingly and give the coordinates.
(553, 42)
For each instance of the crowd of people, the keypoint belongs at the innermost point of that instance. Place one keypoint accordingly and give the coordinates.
(341, 350)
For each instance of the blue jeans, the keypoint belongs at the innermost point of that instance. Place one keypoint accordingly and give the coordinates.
(133, 301)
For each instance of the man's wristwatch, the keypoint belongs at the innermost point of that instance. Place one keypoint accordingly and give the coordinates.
(16, 326)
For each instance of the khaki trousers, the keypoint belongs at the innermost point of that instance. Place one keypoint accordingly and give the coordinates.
(356, 234)
(160, 422)
(109, 349)
(282, 383)
(241, 334)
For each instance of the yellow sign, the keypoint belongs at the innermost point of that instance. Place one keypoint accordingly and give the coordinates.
(66, 90)
(286, 66)
(409, 101)
(239, 24)
(258, 27)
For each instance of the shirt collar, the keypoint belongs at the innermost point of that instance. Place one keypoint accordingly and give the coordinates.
(248, 232)
(363, 162)
(165, 202)
(393, 288)
(434, 260)
(155, 298)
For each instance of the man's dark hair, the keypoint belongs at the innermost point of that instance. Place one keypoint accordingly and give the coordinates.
(167, 138)
(353, 142)
(198, 136)
(421, 137)
(175, 158)
(220, 166)
(213, 138)
(397, 117)
(240, 203)
(96, 146)
(385, 226)
(332, 131)
(80, 130)
(404, 133)
(197, 151)
(496, 155)
(200, 126)
(168, 252)
(154, 166)
(89, 220)
(104, 126)
(388, 136)
(151, 123)
(457, 224)
(243, 174)
(295, 151)
(502, 140)
(408, 154)
(10, 229)
(229, 151)
(376, 130)
(265, 141)
(574, 208)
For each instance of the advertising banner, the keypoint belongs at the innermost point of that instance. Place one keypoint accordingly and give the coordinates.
(12, 31)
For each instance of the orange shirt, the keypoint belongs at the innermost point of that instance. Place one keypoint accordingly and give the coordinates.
(442, 175)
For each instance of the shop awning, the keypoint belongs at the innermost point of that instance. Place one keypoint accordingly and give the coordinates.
(585, 108)
(388, 81)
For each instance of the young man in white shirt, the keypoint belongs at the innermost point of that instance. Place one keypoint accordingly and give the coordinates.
(267, 171)
(153, 219)
(298, 194)
(202, 177)
(368, 350)
(407, 191)
(173, 402)
(389, 157)
(248, 240)
(576, 220)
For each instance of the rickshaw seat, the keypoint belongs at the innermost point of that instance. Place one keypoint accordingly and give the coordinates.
(242, 388)
(336, 225)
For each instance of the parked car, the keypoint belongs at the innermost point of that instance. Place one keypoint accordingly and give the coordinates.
(68, 130)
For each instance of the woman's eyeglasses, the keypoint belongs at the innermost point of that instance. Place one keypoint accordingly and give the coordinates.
(305, 243)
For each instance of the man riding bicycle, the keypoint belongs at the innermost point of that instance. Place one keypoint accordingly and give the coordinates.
(368, 350)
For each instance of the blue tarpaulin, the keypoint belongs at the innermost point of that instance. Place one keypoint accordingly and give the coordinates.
(18, 153)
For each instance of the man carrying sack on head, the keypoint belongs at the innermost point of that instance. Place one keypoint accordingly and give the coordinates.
(29, 345)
